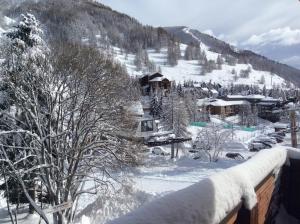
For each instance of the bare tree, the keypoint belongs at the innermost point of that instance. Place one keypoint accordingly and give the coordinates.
(211, 140)
(69, 121)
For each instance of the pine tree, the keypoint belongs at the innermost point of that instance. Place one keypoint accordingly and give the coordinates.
(219, 62)
(142, 59)
(202, 58)
(156, 107)
(25, 66)
(262, 80)
(173, 53)
(188, 54)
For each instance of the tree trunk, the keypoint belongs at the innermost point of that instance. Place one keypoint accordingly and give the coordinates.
(177, 151)
(32, 194)
(58, 218)
(7, 200)
(172, 151)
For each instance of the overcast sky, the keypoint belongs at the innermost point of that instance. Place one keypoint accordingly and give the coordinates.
(232, 20)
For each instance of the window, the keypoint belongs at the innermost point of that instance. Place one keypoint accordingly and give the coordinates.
(147, 126)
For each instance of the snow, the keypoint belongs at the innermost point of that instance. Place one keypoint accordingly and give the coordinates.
(191, 70)
(270, 99)
(210, 200)
(8, 21)
(202, 102)
(280, 125)
(223, 103)
(157, 79)
(136, 108)
(214, 91)
(259, 97)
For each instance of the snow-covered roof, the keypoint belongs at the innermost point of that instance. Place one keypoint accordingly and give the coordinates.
(214, 91)
(157, 79)
(205, 89)
(223, 103)
(258, 97)
(266, 103)
(270, 99)
(210, 200)
(197, 85)
(280, 125)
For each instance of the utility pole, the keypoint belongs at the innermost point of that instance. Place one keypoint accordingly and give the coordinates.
(293, 128)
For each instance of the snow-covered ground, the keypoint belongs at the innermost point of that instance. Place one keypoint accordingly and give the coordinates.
(191, 70)
(158, 176)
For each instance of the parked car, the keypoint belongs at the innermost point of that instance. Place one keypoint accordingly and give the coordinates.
(160, 151)
(281, 133)
(267, 139)
(255, 147)
(278, 138)
(288, 130)
(193, 150)
(267, 145)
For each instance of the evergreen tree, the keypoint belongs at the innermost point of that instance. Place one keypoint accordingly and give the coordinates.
(173, 53)
(262, 80)
(192, 52)
(219, 62)
(156, 107)
(230, 60)
(142, 59)
(25, 66)
(202, 58)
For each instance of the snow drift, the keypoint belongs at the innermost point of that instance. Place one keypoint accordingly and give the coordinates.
(210, 200)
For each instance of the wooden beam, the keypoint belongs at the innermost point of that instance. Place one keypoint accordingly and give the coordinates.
(293, 128)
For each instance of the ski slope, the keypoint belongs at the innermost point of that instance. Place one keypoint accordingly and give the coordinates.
(191, 70)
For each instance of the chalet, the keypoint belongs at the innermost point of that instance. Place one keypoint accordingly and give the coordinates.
(155, 83)
(270, 109)
(226, 108)
(221, 107)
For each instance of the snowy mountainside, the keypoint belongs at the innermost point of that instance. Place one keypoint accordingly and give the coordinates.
(258, 62)
(191, 70)
(96, 23)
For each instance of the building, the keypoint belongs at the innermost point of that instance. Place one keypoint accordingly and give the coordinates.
(156, 84)
(267, 108)
(264, 107)
(226, 108)
(270, 109)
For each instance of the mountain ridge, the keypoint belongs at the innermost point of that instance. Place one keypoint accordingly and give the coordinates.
(258, 61)
(72, 20)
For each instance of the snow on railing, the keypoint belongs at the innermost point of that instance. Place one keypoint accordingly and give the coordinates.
(212, 199)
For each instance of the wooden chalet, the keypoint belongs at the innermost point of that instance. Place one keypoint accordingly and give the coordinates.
(155, 83)
(226, 108)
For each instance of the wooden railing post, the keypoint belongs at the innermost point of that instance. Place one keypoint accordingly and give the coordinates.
(293, 128)
(258, 214)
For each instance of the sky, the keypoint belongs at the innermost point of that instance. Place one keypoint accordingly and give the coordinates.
(241, 21)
